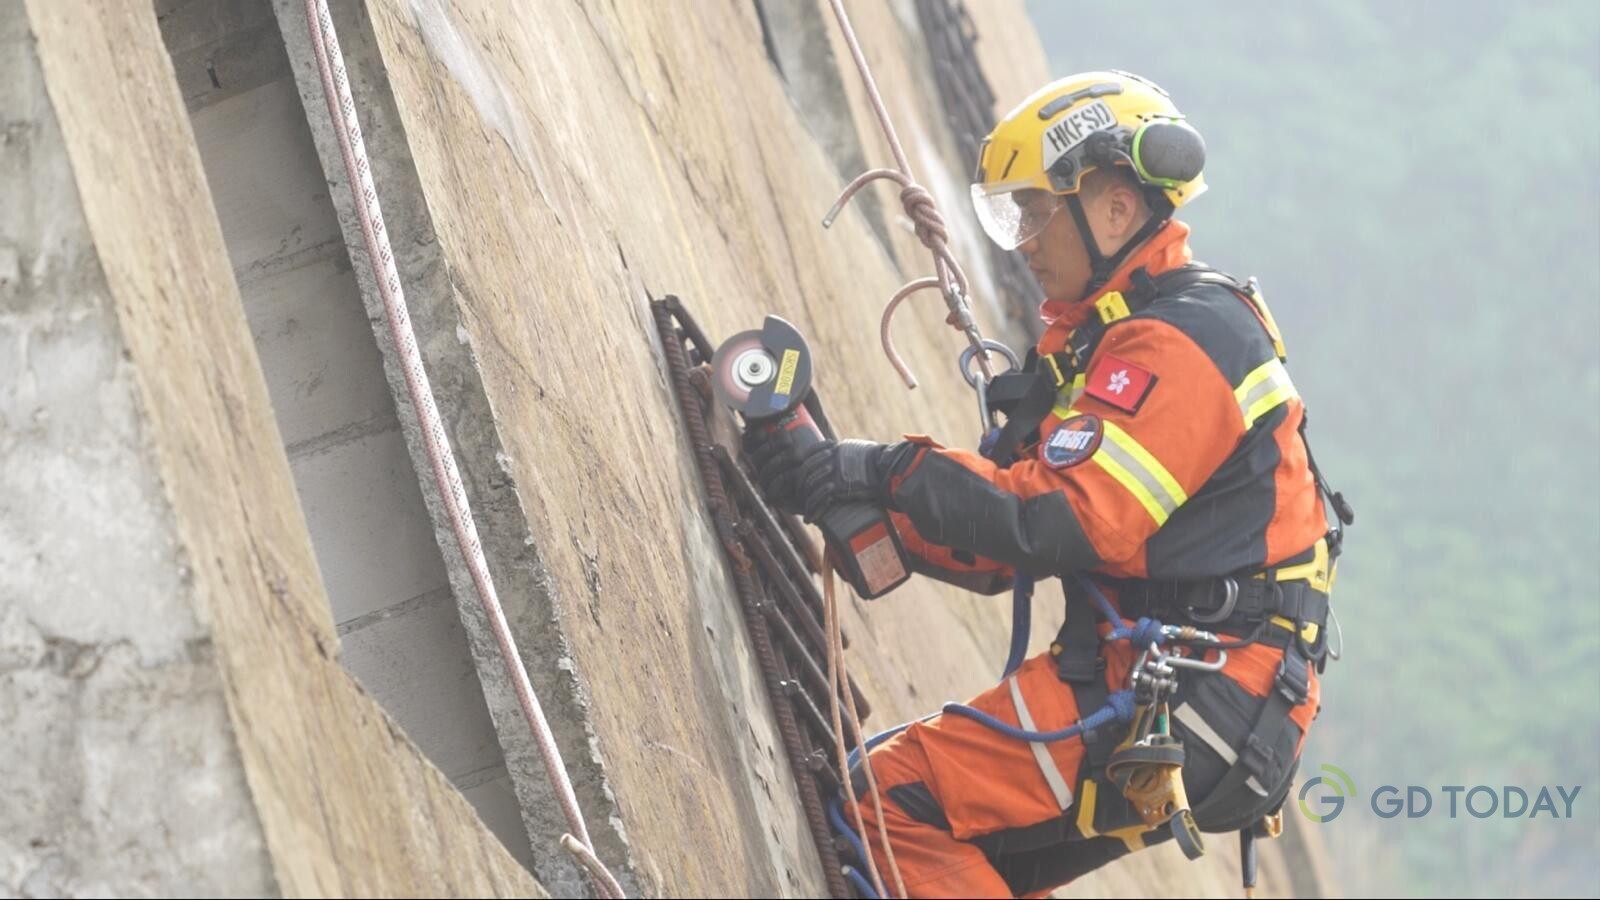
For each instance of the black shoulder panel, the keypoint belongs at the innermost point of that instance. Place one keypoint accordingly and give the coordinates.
(1220, 322)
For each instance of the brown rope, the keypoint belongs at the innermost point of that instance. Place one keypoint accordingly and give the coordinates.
(835, 676)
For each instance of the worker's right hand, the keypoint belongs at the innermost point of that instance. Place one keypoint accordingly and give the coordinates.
(777, 461)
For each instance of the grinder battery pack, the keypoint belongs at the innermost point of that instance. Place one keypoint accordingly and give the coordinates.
(765, 376)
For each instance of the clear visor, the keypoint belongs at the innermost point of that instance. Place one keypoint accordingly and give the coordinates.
(1013, 217)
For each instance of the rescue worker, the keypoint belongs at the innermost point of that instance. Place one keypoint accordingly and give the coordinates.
(1159, 452)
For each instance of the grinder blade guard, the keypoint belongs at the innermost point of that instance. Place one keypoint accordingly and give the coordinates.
(765, 376)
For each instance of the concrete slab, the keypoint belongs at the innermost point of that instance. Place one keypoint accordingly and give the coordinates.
(495, 799)
(334, 410)
(418, 660)
(176, 718)
(317, 351)
(116, 728)
(270, 204)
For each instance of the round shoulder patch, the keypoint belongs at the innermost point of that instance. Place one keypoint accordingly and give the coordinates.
(1073, 441)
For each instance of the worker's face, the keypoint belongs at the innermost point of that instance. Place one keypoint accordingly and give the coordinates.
(1055, 255)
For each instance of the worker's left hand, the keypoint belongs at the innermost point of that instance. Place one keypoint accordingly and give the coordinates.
(776, 459)
(836, 472)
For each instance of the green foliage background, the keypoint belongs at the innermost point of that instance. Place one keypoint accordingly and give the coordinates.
(1417, 185)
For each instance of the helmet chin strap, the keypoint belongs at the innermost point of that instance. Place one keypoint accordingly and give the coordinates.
(1101, 267)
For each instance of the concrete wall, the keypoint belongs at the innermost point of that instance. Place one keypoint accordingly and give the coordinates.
(398, 628)
(554, 164)
(545, 167)
(107, 669)
(178, 722)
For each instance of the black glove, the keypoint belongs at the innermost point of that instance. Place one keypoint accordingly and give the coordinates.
(777, 461)
(844, 471)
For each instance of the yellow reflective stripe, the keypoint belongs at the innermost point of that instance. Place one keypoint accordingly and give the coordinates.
(1267, 404)
(1088, 799)
(1256, 376)
(1142, 474)
(1263, 390)
(1129, 481)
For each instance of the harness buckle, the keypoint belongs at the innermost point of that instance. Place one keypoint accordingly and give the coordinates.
(1294, 676)
(1075, 668)
(1230, 599)
(1112, 307)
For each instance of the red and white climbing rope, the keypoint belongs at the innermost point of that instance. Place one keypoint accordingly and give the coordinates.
(836, 677)
(924, 212)
(342, 107)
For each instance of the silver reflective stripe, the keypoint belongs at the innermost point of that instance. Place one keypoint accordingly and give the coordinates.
(1160, 489)
(1041, 753)
(1203, 730)
(1263, 390)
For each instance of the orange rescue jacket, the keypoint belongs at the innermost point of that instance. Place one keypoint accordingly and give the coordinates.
(1177, 454)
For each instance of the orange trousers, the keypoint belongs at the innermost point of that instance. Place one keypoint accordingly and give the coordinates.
(949, 780)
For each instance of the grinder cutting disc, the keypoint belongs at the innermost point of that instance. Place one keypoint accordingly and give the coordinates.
(762, 374)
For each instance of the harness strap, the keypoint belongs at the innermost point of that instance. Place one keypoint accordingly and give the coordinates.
(1206, 604)
(1344, 513)
(1260, 768)
(1079, 664)
(1030, 410)
(1027, 407)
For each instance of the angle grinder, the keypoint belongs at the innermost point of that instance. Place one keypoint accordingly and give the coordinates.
(765, 376)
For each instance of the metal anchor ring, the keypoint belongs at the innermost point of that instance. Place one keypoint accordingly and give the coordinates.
(1230, 599)
(971, 353)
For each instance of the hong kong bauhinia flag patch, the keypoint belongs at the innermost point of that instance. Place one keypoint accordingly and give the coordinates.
(1118, 382)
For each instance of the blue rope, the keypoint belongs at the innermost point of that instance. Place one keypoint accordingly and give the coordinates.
(862, 884)
(854, 759)
(1142, 634)
(1099, 599)
(1021, 620)
(1119, 707)
(836, 816)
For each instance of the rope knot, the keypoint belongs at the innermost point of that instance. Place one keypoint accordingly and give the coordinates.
(925, 216)
(1145, 632)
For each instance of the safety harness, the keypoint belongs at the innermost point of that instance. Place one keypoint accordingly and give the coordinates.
(1283, 606)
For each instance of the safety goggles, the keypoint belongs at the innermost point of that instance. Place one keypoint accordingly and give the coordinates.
(1012, 215)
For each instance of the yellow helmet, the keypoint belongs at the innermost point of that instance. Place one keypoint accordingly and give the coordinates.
(1073, 126)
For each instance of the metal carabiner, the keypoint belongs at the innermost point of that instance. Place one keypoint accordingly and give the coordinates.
(971, 353)
(1230, 599)
(978, 380)
(1200, 665)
